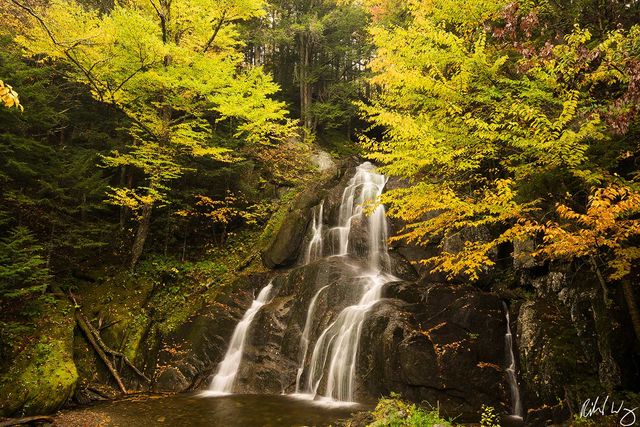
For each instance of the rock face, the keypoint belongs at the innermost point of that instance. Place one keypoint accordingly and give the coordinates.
(41, 380)
(571, 345)
(428, 341)
(284, 248)
(436, 343)
(187, 355)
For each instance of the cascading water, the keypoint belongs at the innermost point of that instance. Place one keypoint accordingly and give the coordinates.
(516, 404)
(333, 359)
(316, 246)
(228, 369)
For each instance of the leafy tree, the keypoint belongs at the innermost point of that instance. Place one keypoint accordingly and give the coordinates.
(23, 270)
(489, 135)
(172, 67)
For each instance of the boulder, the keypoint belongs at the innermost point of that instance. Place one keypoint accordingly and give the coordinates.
(43, 376)
(437, 343)
(284, 248)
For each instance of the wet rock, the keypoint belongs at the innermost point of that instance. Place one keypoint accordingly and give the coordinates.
(188, 355)
(43, 376)
(272, 353)
(550, 354)
(435, 343)
(285, 247)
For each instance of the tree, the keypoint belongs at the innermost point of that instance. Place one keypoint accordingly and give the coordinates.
(316, 51)
(49, 181)
(173, 68)
(22, 267)
(488, 135)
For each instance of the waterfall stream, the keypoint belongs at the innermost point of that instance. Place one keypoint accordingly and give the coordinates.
(342, 271)
(333, 359)
(315, 248)
(228, 369)
(516, 404)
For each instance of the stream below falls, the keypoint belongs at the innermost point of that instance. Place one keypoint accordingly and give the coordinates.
(192, 409)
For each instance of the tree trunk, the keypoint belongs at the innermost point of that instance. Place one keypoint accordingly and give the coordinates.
(608, 371)
(304, 55)
(629, 297)
(141, 234)
(27, 420)
(83, 323)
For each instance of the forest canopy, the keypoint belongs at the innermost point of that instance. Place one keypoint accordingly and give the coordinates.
(147, 121)
(504, 115)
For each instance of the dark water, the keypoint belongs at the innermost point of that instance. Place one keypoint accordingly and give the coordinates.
(225, 411)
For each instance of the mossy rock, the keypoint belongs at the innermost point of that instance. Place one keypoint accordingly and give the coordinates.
(43, 376)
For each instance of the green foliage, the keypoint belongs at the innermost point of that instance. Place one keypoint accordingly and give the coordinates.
(394, 412)
(489, 417)
(48, 153)
(478, 127)
(23, 269)
(316, 52)
(578, 421)
(173, 69)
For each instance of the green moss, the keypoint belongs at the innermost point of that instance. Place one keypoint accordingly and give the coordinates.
(395, 412)
(43, 375)
(277, 219)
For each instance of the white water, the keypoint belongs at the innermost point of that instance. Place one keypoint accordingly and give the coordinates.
(304, 340)
(333, 358)
(516, 404)
(316, 245)
(228, 369)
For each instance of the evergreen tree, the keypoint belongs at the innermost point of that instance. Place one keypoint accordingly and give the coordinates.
(23, 270)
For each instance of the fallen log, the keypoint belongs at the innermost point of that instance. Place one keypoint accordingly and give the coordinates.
(86, 329)
(26, 420)
(93, 335)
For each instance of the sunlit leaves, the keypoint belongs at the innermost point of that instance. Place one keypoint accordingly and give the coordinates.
(174, 69)
(474, 125)
(610, 224)
(9, 97)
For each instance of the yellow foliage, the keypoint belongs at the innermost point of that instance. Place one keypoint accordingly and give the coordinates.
(9, 97)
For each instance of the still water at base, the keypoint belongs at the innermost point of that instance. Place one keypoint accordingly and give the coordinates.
(227, 411)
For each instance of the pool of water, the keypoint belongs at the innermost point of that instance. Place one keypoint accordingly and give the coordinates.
(197, 410)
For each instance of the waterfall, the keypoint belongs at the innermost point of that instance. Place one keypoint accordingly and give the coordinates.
(516, 404)
(333, 359)
(304, 339)
(315, 248)
(228, 369)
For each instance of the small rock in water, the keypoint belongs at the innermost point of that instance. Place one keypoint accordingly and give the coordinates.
(160, 419)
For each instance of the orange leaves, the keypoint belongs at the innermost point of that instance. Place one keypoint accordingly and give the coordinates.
(610, 224)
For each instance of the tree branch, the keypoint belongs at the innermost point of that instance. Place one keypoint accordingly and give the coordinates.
(216, 30)
(66, 50)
